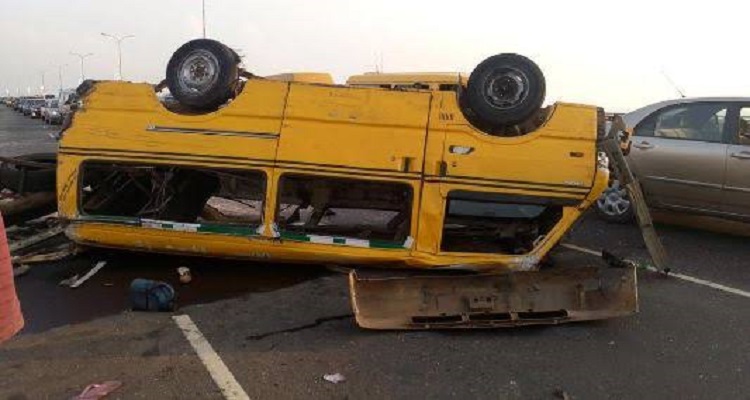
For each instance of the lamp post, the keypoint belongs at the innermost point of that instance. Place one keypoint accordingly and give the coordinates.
(60, 77)
(119, 40)
(204, 18)
(81, 57)
(42, 88)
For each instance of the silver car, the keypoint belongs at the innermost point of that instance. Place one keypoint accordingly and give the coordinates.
(690, 155)
(51, 112)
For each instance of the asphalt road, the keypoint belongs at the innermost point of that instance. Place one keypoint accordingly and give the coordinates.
(22, 135)
(280, 329)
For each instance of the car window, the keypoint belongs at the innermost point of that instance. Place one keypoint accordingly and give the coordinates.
(744, 126)
(700, 122)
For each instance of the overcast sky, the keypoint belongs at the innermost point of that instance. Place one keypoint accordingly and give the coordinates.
(610, 53)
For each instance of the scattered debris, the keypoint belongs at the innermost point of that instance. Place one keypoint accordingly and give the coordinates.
(185, 276)
(148, 295)
(334, 378)
(12, 204)
(98, 390)
(30, 241)
(88, 275)
(58, 253)
(562, 395)
(40, 240)
(21, 270)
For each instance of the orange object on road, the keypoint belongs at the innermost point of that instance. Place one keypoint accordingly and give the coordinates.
(11, 319)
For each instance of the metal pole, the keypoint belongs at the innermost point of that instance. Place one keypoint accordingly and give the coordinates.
(81, 57)
(119, 40)
(42, 88)
(59, 77)
(119, 58)
(204, 18)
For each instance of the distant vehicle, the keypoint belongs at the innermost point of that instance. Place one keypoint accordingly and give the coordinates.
(25, 108)
(18, 106)
(691, 156)
(67, 103)
(51, 112)
(34, 108)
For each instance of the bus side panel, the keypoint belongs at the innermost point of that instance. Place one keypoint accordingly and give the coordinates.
(354, 129)
(121, 117)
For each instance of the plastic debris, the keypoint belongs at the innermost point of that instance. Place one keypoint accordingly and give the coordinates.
(148, 295)
(334, 378)
(98, 390)
(185, 276)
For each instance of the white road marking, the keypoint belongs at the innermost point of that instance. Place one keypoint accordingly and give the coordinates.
(221, 375)
(581, 249)
(687, 278)
(704, 282)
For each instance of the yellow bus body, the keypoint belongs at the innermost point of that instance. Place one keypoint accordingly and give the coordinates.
(415, 138)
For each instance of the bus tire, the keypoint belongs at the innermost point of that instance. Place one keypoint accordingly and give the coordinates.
(504, 90)
(202, 74)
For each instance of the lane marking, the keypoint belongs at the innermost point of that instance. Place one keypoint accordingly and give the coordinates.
(687, 278)
(581, 249)
(221, 375)
(704, 282)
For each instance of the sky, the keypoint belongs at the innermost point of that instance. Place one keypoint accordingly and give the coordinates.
(610, 53)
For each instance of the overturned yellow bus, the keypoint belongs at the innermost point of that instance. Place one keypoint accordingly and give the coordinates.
(477, 177)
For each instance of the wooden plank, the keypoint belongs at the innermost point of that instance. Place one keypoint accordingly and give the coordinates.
(30, 241)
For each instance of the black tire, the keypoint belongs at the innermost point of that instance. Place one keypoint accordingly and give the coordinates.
(202, 74)
(504, 90)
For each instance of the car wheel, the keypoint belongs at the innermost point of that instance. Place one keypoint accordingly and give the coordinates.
(504, 90)
(614, 204)
(202, 74)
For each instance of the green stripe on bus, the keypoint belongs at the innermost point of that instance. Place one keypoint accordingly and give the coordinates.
(233, 230)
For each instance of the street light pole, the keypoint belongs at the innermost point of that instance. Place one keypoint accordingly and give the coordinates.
(59, 76)
(81, 56)
(119, 40)
(204, 18)
(42, 88)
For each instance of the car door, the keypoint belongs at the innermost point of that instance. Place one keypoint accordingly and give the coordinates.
(679, 155)
(737, 184)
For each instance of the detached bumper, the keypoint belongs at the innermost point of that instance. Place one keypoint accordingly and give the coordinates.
(382, 300)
